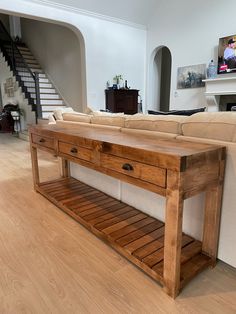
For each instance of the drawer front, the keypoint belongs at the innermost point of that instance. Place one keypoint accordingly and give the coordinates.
(75, 151)
(134, 169)
(43, 141)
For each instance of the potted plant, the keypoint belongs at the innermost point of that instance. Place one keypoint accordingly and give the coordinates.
(118, 80)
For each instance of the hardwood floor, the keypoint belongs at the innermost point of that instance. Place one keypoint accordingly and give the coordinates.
(51, 264)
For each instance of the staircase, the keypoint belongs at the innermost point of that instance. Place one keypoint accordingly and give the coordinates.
(36, 86)
(49, 97)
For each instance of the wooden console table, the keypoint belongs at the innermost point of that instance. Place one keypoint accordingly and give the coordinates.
(172, 168)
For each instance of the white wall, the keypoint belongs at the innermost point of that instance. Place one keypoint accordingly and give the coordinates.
(137, 11)
(57, 49)
(190, 29)
(110, 48)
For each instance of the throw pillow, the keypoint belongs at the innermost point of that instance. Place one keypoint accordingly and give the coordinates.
(187, 112)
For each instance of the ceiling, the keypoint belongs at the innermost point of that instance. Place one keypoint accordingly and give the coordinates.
(136, 11)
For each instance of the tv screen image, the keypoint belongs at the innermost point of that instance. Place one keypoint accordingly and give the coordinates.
(227, 54)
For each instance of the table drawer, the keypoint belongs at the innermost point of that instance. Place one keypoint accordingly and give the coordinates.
(75, 151)
(135, 169)
(43, 141)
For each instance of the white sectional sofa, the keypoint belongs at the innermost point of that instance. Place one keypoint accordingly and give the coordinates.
(208, 127)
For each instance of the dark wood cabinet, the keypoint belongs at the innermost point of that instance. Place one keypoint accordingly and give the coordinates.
(122, 100)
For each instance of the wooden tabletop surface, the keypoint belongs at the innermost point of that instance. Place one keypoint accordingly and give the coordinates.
(105, 135)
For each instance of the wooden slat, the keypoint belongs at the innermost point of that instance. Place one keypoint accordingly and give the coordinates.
(131, 247)
(93, 208)
(75, 198)
(149, 248)
(67, 196)
(129, 229)
(108, 223)
(65, 184)
(54, 190)
(124, 223)
(157, 256)
(123, 241)
(189, 250)
(54, 182)
(78, 202)
(80, 190)
(105, 214)
(97, 209)
(193, 267)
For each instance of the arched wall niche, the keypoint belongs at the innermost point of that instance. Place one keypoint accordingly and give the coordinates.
(160, 79)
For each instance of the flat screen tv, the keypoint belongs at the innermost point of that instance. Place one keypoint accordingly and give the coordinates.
(227, 55)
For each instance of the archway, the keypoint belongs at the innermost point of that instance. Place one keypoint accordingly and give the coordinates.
(41, 35)
(161, 78)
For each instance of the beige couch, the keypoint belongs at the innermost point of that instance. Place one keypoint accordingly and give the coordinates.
(215, 128)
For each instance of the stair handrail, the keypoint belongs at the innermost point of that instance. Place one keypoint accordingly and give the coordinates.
(35, 75)
(13, 45)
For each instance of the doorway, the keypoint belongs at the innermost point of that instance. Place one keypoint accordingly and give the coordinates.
(161, 78)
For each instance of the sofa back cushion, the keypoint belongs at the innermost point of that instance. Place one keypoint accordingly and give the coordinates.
(168, 123)
(108, 120)
(76, 117)
(211, 125)
(57, 113)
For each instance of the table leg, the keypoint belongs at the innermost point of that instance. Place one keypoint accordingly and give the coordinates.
(35, 166)
(212, 216)
(65, 168)
(212, 222)
(173, 236)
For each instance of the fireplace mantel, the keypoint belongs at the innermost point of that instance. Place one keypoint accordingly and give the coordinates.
(216, 87)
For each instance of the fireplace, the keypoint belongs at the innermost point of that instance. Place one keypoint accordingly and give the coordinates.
(226, 102)
(229, 106)
(220, 93)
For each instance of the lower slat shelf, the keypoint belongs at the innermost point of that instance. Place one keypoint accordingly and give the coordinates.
(134, 234)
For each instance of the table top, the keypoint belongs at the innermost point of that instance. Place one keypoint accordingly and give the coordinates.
(113, 140)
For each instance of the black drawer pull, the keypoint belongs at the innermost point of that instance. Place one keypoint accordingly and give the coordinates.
(74, 150)
(42, 140)
(127, 167)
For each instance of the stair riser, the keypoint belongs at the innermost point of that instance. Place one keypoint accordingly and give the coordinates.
(28, 59)
(41, 75)
(51, 102)
(23, 48)
(24, 54)
(31, 66)
(46, 96)
(45, 85)
(43, 90)
(41, 80)
(51, 108)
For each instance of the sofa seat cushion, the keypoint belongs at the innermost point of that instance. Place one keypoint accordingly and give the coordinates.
(211, 125)
(168, 123)
(118, 121)
(76, 117)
